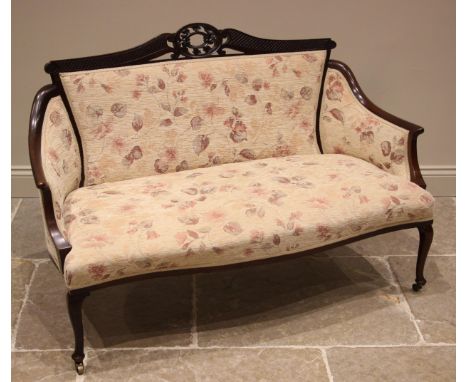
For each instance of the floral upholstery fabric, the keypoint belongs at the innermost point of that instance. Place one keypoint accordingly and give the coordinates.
(60, 160)
(165, 117)
(347, 127)
(231, 213)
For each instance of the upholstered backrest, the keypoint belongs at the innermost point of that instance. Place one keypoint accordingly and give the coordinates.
(169, 116)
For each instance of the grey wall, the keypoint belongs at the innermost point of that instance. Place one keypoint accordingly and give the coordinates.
(402, 52)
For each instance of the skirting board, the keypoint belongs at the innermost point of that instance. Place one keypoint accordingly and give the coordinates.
(440, 181)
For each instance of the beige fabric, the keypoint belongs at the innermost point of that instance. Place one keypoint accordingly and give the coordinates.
(60, 160)
(231, 213)
(164, 117)
(347, 127)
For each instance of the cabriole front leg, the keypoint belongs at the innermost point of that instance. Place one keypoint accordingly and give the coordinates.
(426, 234)
(75, 302)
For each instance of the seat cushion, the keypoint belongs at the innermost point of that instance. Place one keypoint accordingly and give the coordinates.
(231, 213)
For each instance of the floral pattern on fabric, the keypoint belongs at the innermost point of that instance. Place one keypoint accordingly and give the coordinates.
(347, 127)
(60, 160)
(166, 117)
(231, 213)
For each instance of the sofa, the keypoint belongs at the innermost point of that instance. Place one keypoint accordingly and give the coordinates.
(206, 149)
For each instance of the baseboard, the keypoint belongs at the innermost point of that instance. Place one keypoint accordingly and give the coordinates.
(441, 181)
(22, 182)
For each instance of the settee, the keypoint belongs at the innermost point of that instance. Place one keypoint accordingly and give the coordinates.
(208, 148)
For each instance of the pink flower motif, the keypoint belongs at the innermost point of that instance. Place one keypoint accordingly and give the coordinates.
(150, 235)
(212, 110)
(305, 125)
(53, 155)
(426, 199)
(215, 215)
(102, 129)
(181, 77)
(118, 144)
(181, 237)
(187, 204)
(171, 153)
(320, 203)
(323, 232)
(293, 110)
(259, 191)
(98, 272)
(94, 172)
(309, 57)
(298, 230)
(363, 199)
(227, 188)
(127, 207)
(282, 151)
(389, 201)
(296, 215)
(338, 150)
(256, 236)
(206, 78)
(96, 241)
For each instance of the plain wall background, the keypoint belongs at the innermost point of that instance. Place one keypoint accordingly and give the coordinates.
(402, 52)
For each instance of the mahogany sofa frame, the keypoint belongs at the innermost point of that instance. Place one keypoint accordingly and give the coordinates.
(180, 46)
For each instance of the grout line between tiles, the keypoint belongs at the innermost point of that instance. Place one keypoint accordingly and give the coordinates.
(194, 330)
(39, 350)
(34, 261)
(25, 299)
(405, 302)
(214, 347)
(13, 215)
(416, 255)
(380, 257)
(327, 365)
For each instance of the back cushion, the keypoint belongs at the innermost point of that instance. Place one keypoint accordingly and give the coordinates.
(170, 116)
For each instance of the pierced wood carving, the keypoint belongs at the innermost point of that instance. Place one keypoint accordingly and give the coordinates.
(197, 40)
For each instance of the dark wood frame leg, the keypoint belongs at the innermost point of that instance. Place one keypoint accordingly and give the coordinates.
(74, 303)
(426, 234)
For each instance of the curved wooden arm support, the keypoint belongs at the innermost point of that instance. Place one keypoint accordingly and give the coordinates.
(39, 106)
(413, 130)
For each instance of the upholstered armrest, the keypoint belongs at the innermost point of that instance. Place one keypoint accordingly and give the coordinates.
(351, 124)
(56, 165)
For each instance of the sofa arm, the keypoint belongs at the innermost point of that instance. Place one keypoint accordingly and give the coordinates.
(56, 165)
(351, 124)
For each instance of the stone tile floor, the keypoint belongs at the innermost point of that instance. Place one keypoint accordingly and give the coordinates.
(348, 314)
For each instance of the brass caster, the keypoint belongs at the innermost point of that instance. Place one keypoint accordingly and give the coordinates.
(79, 368)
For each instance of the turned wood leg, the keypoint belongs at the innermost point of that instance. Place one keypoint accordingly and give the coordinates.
(425, 239)
(74, 302)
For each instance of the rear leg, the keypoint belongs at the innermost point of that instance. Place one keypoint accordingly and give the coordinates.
(426, 234)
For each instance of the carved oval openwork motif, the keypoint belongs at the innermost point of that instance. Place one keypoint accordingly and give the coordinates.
(197, 40)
